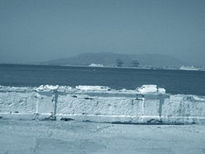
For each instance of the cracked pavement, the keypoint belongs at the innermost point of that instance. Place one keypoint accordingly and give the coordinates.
(71, 137)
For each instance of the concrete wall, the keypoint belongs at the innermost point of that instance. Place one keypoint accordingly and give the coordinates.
(92, 106)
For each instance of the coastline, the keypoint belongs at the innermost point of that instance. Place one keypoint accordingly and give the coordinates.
(104, 67)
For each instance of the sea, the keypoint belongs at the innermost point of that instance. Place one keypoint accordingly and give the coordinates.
(174, 81)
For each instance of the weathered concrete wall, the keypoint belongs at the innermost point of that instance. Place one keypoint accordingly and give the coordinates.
(184, 109)
(17, 102)
(102, 107)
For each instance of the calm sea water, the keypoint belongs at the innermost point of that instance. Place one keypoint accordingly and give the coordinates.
(175, 81)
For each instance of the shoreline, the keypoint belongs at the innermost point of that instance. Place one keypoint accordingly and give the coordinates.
(104, 67)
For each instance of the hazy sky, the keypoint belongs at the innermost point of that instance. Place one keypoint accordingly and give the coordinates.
(38, 30)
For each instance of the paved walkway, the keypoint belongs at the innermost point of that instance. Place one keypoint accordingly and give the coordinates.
(60, 137)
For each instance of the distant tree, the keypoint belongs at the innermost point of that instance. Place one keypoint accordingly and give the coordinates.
(119, 62)
(135, 63)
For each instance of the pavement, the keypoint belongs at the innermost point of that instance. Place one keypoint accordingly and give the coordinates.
(71, 137)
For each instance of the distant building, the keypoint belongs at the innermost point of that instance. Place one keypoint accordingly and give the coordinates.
(96, 65)
(189, 68)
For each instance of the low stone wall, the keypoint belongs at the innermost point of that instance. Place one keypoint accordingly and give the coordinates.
(116, 107)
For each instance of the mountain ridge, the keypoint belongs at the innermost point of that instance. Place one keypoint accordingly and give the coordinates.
(109, 59)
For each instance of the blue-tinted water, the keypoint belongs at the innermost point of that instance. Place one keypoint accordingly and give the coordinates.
(175, 82)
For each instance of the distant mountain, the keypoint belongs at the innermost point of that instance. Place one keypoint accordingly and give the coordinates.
(109, 59)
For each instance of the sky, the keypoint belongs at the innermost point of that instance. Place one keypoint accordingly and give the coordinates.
(41, 30)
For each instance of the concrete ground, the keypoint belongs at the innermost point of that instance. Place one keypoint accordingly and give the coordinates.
(61, 137)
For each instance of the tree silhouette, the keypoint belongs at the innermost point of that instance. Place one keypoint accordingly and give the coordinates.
(135, 63)
(119, 62)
